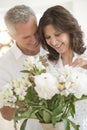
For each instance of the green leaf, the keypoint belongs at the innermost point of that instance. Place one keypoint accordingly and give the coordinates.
(66, 124)
(54, 120)
(74, 125)
(46, 116)
(72, 109)
(57, 110)
(25, 71)
(23, 125)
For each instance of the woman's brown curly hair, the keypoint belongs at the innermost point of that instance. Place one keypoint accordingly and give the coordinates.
(64, 21)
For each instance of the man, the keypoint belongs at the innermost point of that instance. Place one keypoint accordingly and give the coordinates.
(22, 26)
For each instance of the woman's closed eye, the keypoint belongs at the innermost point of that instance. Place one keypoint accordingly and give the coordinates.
(58, 34)
(55, 35)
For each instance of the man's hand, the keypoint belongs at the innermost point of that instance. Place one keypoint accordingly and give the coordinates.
(80, 62)
(7, 112)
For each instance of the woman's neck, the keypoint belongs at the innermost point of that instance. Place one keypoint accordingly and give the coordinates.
(67, 58)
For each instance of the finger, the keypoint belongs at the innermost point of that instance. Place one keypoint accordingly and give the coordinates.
(79, 63)
(75, 63)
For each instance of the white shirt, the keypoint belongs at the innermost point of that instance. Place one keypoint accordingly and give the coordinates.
(10, 66)
(12, 63)
(59, 64)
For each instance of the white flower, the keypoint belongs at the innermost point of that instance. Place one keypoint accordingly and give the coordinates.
(16, 90)
(33, 61)
(20, 87)
(46, 85)
(81, 82)
(40, 66)
(75, 80)
(29, 62)
(7, 97)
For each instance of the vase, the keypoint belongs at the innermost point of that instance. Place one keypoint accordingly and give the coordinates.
(58, 126)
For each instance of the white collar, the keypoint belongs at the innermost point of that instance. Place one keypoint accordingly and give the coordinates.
(60, 64)
(16, 51)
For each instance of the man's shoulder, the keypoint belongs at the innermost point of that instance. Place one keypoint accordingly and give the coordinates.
(12, 54)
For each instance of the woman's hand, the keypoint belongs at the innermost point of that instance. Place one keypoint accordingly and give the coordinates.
(80, 62)
(7, 112)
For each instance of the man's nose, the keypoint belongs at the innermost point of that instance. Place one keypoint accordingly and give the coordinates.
(33, 38)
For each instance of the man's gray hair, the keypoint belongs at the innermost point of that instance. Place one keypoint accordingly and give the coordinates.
(17, 14)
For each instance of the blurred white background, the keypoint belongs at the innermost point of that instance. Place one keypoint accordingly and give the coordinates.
(77, 7)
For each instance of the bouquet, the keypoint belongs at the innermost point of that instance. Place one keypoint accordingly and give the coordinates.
(44, 95)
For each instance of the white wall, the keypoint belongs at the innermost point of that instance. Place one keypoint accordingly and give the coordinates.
(80, 12)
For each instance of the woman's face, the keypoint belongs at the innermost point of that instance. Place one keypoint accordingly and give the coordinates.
(58, 40)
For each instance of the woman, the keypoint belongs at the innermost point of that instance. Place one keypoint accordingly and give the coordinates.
(60, 34)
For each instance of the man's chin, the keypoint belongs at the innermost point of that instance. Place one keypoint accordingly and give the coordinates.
(36, 51)
(32, 52)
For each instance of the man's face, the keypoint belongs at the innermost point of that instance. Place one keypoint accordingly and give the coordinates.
(26, 37)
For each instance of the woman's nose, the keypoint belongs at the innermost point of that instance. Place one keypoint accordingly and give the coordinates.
(53, 41)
